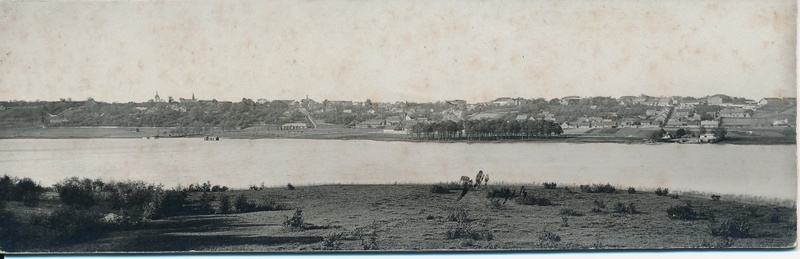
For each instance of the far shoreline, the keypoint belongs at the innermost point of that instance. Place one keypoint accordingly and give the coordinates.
(336, 134)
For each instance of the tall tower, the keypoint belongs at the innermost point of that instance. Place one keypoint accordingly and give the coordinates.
(193, 97)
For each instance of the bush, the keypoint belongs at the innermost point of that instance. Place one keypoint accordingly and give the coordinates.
(625, 208)
(598, 188)
(205, 204)
(242, 204)
(662, 192)
(530, 200)
(218, 188)
(76, 192)
(549, 185)
(167, 203)
(738, 227)
(504, 193)
(332, 241)
(570, 212)
(631, 190)
(547, 236)
(290, 186)
(225, 205)
(715, 197)
(28, 192)
(129, 196)
(6, 187)
(464, 228)
(440, 188)
(75, 225)
(458, 215)
(295, 223)
(371, 242)
(674, 196)
(599, 204)
(682, 212)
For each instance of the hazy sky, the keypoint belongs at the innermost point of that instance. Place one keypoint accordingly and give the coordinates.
(395, 50)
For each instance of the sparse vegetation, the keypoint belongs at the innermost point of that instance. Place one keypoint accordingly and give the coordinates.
(295, 223)
(547, 236)
(599, 206)
(458, 214)
(332, 241)
(504, 193)
(737, 227)
(686, 212)
(440, 189)
(464, 227)
(549, 185)
(114, 215)
(662, 192)
(623, 208)
(598, 188)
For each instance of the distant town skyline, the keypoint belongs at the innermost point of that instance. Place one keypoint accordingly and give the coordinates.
(413, 51)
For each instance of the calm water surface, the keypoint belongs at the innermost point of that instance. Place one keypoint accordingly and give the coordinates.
(768, 170)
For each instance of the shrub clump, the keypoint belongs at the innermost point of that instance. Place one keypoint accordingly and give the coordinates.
(332, 241)
(74, 225)
(682, 212)
(738, 227)
(715, 197)
(295, 223)
(440, 188)
(225, 205)
(458, 215)
(549, 185)
(464, 227)
(631, 190)
(625, 208)
(662, 192)
(504, 193)
(547, 236)
(25, 190)
(76, 192)
(243, 205)
(598, 188)
(599, 206)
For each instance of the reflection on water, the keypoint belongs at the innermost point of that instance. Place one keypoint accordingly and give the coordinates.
(768, 170)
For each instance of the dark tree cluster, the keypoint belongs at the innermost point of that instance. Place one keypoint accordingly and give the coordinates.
(486, 129)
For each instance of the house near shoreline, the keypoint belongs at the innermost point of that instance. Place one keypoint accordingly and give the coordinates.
(294, 125)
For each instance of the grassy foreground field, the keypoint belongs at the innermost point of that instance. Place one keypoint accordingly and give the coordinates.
(413, 217)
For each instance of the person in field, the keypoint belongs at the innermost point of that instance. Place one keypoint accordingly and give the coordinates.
(478, 179)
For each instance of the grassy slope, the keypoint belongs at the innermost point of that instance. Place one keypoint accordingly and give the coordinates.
(409, 217)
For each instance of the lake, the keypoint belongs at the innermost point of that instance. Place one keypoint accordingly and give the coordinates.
(761, 170)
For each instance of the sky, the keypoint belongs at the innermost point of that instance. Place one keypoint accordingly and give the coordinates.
(395, 50)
